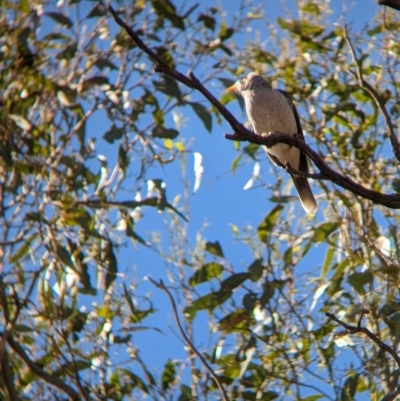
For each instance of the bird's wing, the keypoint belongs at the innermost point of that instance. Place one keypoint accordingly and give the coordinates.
(303, 165)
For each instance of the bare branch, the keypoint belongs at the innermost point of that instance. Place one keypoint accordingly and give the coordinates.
(359, 329)
(53, 380)
(375, 96)
(391, 201)
(390, 3)
(162, 286)
(161, 66)
(243, 134)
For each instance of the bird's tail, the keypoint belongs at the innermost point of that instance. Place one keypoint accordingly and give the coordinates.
(305, 194)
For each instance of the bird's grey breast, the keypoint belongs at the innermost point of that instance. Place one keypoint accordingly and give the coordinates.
(268, 111)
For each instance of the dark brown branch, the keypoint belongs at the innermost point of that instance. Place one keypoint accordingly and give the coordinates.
(359, 329)
(162, 286)
(375, 96)
(390, 3)
(191, 81)
(37, 370)
(391, 201)
(242, 134)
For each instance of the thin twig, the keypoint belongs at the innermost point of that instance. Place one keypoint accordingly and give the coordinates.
(359, 329)
(375, 96)
(162, 286)
(36, 369)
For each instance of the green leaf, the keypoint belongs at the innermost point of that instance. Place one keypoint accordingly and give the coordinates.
(206, 273)
(135, 380)
(60, 18)
(323, 230)
(24, 4)
(208, 302)
(97, 80)
(208, 21)
(165, 9)
(186, 393)
(165, 55)
(105, 312)
(76, 321)
(103, 63)
(256, 270)
(113, 134)
(68, 53)
(328, 260)
(314, 397)
(234, 281)
(169, 87)
(396, 185)
(168, 375)
(349, 388)
(268, 224)
(203, 114)
(64, 256)
(225, 32)
(23, 249)
(235, 321)
(249, 302)
(375, 30)
(165, 133)
(123, 159)
(235, 164)
(251, 150)
(214, 248)
(97, 11)
(359, 280)
(111, 264)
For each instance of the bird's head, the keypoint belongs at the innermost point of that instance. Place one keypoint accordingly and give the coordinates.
(251, 82)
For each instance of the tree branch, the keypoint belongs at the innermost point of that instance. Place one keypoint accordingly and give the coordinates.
(390, 3)
(6, 375)
(375, 96)
(53, 380)
(162, 286)
(391, 201)
(359, 329)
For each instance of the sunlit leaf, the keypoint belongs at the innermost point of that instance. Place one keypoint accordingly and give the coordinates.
(269, 222)
(206, 273)
(324, 230)
(168, 375)
(21, 122)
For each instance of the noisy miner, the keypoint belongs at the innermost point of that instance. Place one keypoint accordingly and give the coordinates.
(270, 110)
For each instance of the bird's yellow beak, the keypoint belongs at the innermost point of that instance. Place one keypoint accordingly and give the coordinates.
(231, 89)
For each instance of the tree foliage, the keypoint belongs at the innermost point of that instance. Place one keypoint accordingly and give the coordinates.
(89, 129)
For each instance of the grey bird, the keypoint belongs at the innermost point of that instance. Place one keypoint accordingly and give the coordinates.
(270, 110)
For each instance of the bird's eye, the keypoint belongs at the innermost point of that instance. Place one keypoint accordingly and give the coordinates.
(242, 80)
